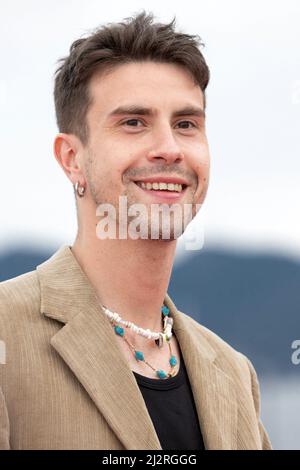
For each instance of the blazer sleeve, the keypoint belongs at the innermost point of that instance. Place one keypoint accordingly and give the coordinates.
(4, 424)
(265, 441)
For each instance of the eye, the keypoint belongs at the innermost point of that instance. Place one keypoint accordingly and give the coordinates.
(132, 122)
(186, 124)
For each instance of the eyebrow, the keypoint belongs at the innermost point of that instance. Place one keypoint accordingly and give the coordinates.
(144, 111)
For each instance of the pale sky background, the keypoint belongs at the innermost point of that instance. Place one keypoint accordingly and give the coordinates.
(253, 117)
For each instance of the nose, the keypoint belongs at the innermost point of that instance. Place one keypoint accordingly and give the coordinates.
(165, 148)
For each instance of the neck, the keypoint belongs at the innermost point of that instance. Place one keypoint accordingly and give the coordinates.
(130, 277)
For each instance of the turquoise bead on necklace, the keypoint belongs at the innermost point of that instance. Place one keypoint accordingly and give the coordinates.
(119, 330)
(139, 356)
(164, 310)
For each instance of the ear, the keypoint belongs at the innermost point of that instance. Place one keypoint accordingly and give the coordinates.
(68, 152)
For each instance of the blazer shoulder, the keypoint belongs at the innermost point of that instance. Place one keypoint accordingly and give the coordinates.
(19, 294)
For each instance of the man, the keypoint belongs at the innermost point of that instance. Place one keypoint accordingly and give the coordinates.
(130, 105)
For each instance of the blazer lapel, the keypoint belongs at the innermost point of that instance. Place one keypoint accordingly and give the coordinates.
(214, 392)
(88, 346)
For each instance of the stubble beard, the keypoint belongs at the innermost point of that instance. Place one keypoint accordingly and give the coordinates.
(169, 225)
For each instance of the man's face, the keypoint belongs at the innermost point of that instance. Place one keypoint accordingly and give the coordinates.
(146, 125)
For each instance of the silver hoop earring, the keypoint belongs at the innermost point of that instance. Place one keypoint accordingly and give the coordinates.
(79, 189)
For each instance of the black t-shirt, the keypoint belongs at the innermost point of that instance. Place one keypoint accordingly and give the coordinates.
(171, 406)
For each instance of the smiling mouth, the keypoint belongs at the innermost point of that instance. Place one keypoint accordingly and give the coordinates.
(161, 186)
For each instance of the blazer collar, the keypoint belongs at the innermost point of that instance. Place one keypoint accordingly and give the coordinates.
(88, 346)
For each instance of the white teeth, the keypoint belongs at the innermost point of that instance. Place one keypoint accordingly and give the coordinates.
(161, 186)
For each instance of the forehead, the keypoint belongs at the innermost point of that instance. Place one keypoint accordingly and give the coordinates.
(157, 85)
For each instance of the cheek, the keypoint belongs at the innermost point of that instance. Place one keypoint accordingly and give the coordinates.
(201, 167)
(202, 161)
(204, 170)
(116, 158)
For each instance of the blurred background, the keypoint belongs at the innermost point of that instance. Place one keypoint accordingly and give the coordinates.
(244, 283)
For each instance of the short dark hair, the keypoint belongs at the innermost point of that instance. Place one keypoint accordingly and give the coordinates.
(136, 39)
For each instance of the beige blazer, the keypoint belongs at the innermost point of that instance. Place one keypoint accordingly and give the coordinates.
(66, 385)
